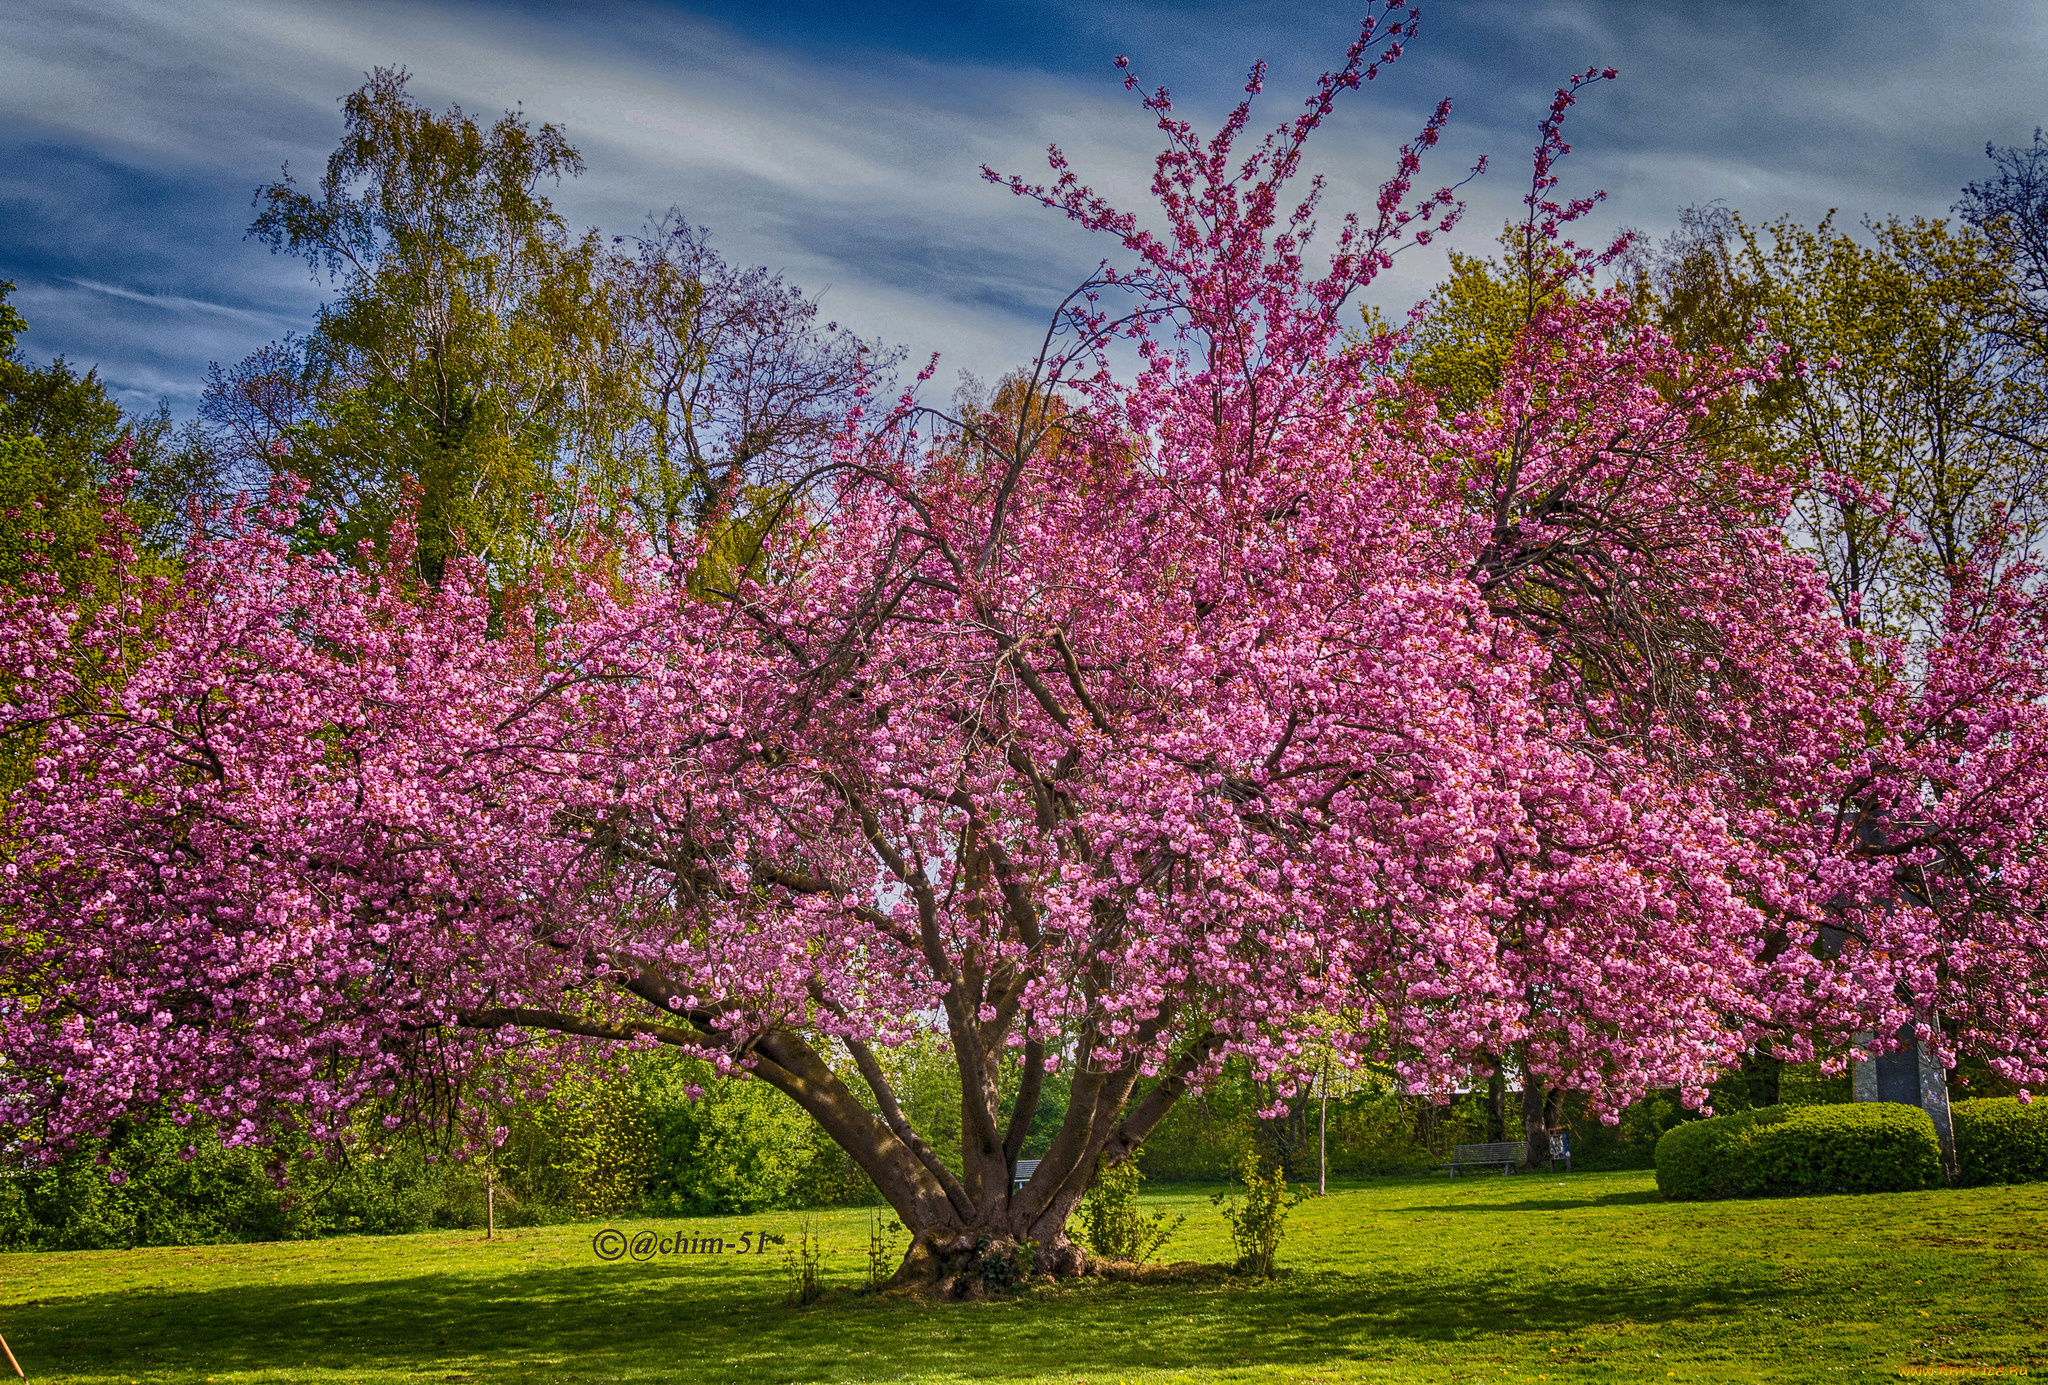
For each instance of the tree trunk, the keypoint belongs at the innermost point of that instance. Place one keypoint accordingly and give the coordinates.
(1496, 1107)
(968, 1227)
(1535, 1122)
(1323, 1136)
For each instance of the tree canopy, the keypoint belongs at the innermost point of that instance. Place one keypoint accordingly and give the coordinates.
(1127, 723)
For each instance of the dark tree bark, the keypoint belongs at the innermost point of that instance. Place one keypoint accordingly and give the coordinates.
(1762, 1075)
(967, 1227)
(1535, 1122)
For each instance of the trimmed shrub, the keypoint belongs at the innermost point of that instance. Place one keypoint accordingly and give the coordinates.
(1865, 1147)
(2001, 1140)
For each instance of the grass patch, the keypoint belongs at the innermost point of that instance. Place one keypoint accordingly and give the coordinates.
(1587, 1277)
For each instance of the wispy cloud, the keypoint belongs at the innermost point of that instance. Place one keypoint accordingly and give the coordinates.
(840, 145)
(179, 306)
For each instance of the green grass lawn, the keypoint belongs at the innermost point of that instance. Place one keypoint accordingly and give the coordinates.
(1579, 1278)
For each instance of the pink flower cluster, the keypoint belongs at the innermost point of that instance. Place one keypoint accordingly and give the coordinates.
(1251, 692)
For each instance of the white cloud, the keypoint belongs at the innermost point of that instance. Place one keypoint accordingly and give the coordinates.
(864, 181)
(856, 174)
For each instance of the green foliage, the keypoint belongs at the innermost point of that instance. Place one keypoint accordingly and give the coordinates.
(156, 1183)
(1372, 1130)
(473, 352)
(1471, 321)
(1111, 1224)
(927, 1082)
(58, 435)
(600, 1144)
(1863, 1147)
(803, 1262)
(741, 1146)
(1258, 1219)
(634, 1141)
(609, 1137)
(1631, 1143)
(1911, 432)
(214, 1195)
(2001, 1140)
(668, 1136)
(77, 420)
(883, 1253)
(1410, 1280)
(33, 499)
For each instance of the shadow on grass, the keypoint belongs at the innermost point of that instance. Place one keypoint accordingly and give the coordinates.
(652, 1322)
(1576, 1204)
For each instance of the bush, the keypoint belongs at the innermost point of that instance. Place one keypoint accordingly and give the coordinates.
(154, 1183)
(1113, 1226)
(1866, 1147)
(2000, 1140)
(1631, 1142)
(740, 1146)
(144, 1185)
(1257, 1223)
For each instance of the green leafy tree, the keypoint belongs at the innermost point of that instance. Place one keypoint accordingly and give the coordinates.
(480, 355)
(64, 442)
(1468, 325)
(1909, 421)
(473, 347)
(1915, 429)
(78, 474)
(1470, 322)
(58, 430)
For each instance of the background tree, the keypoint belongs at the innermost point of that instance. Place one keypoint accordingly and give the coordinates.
(516, 375)
(2010, 211)
(474, 346)
(64, 441)
(742, 392)
(1916, 434)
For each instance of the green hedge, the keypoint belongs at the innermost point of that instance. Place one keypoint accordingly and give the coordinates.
(181, 1186)
(1865, 1147)
(1999, 1140)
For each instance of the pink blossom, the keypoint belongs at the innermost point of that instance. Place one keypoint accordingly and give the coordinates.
(1262, 686)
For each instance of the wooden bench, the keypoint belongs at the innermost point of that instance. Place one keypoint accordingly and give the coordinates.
(1508, 1154)
(1025, 1168)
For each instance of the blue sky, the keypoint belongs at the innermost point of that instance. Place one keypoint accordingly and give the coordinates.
(839, 142)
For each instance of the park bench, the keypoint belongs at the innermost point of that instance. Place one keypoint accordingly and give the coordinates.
(1508, 1154)
(1025, 1168)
